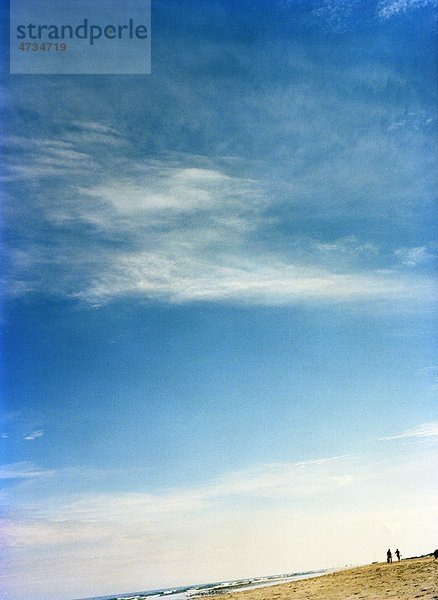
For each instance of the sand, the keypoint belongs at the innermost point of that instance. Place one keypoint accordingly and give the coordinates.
(405, 580)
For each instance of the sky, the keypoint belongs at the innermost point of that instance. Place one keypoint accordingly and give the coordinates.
(218, 315)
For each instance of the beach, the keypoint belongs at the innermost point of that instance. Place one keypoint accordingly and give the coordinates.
(404, 580)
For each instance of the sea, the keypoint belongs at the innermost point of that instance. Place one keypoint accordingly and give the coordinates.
(204, 590)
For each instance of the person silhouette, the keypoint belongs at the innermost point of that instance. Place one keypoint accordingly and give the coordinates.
(389, 556)
(397, 553)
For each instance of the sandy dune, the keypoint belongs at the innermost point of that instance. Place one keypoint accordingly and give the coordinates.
(406, 580)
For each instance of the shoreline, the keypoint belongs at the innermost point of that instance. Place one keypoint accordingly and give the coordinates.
(405, 580)
(256, 583)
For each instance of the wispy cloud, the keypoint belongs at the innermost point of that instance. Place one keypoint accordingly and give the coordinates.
(390, 8)
(23, 470)
(35, 435)
(116, 206)
(183, 278)
(272, 481)
(183, 230)
(97, 127)
(427, 430)
(267, 483)
(411, 257)
(342, 14)
(336, 13)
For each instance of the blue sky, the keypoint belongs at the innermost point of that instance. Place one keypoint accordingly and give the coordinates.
(219, 304)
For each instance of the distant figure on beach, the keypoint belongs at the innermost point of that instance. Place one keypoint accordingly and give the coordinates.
(397, 553)
(389, 556)
(435, 554)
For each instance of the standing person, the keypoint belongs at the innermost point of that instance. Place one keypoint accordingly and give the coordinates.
(389, 556)
(397, 553)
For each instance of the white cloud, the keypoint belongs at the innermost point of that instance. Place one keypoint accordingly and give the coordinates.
(185, 228)
(427, 430)
(38, 433)
(189, 275)
(98, 127)
(161, 189)
(35, 533)
(23, 470)
(270, 481)
(336, 12)
(390, 8)
(319, 479)
(349, 245)
(411, 257)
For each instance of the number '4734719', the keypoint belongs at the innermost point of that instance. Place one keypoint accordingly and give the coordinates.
(42, 46)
